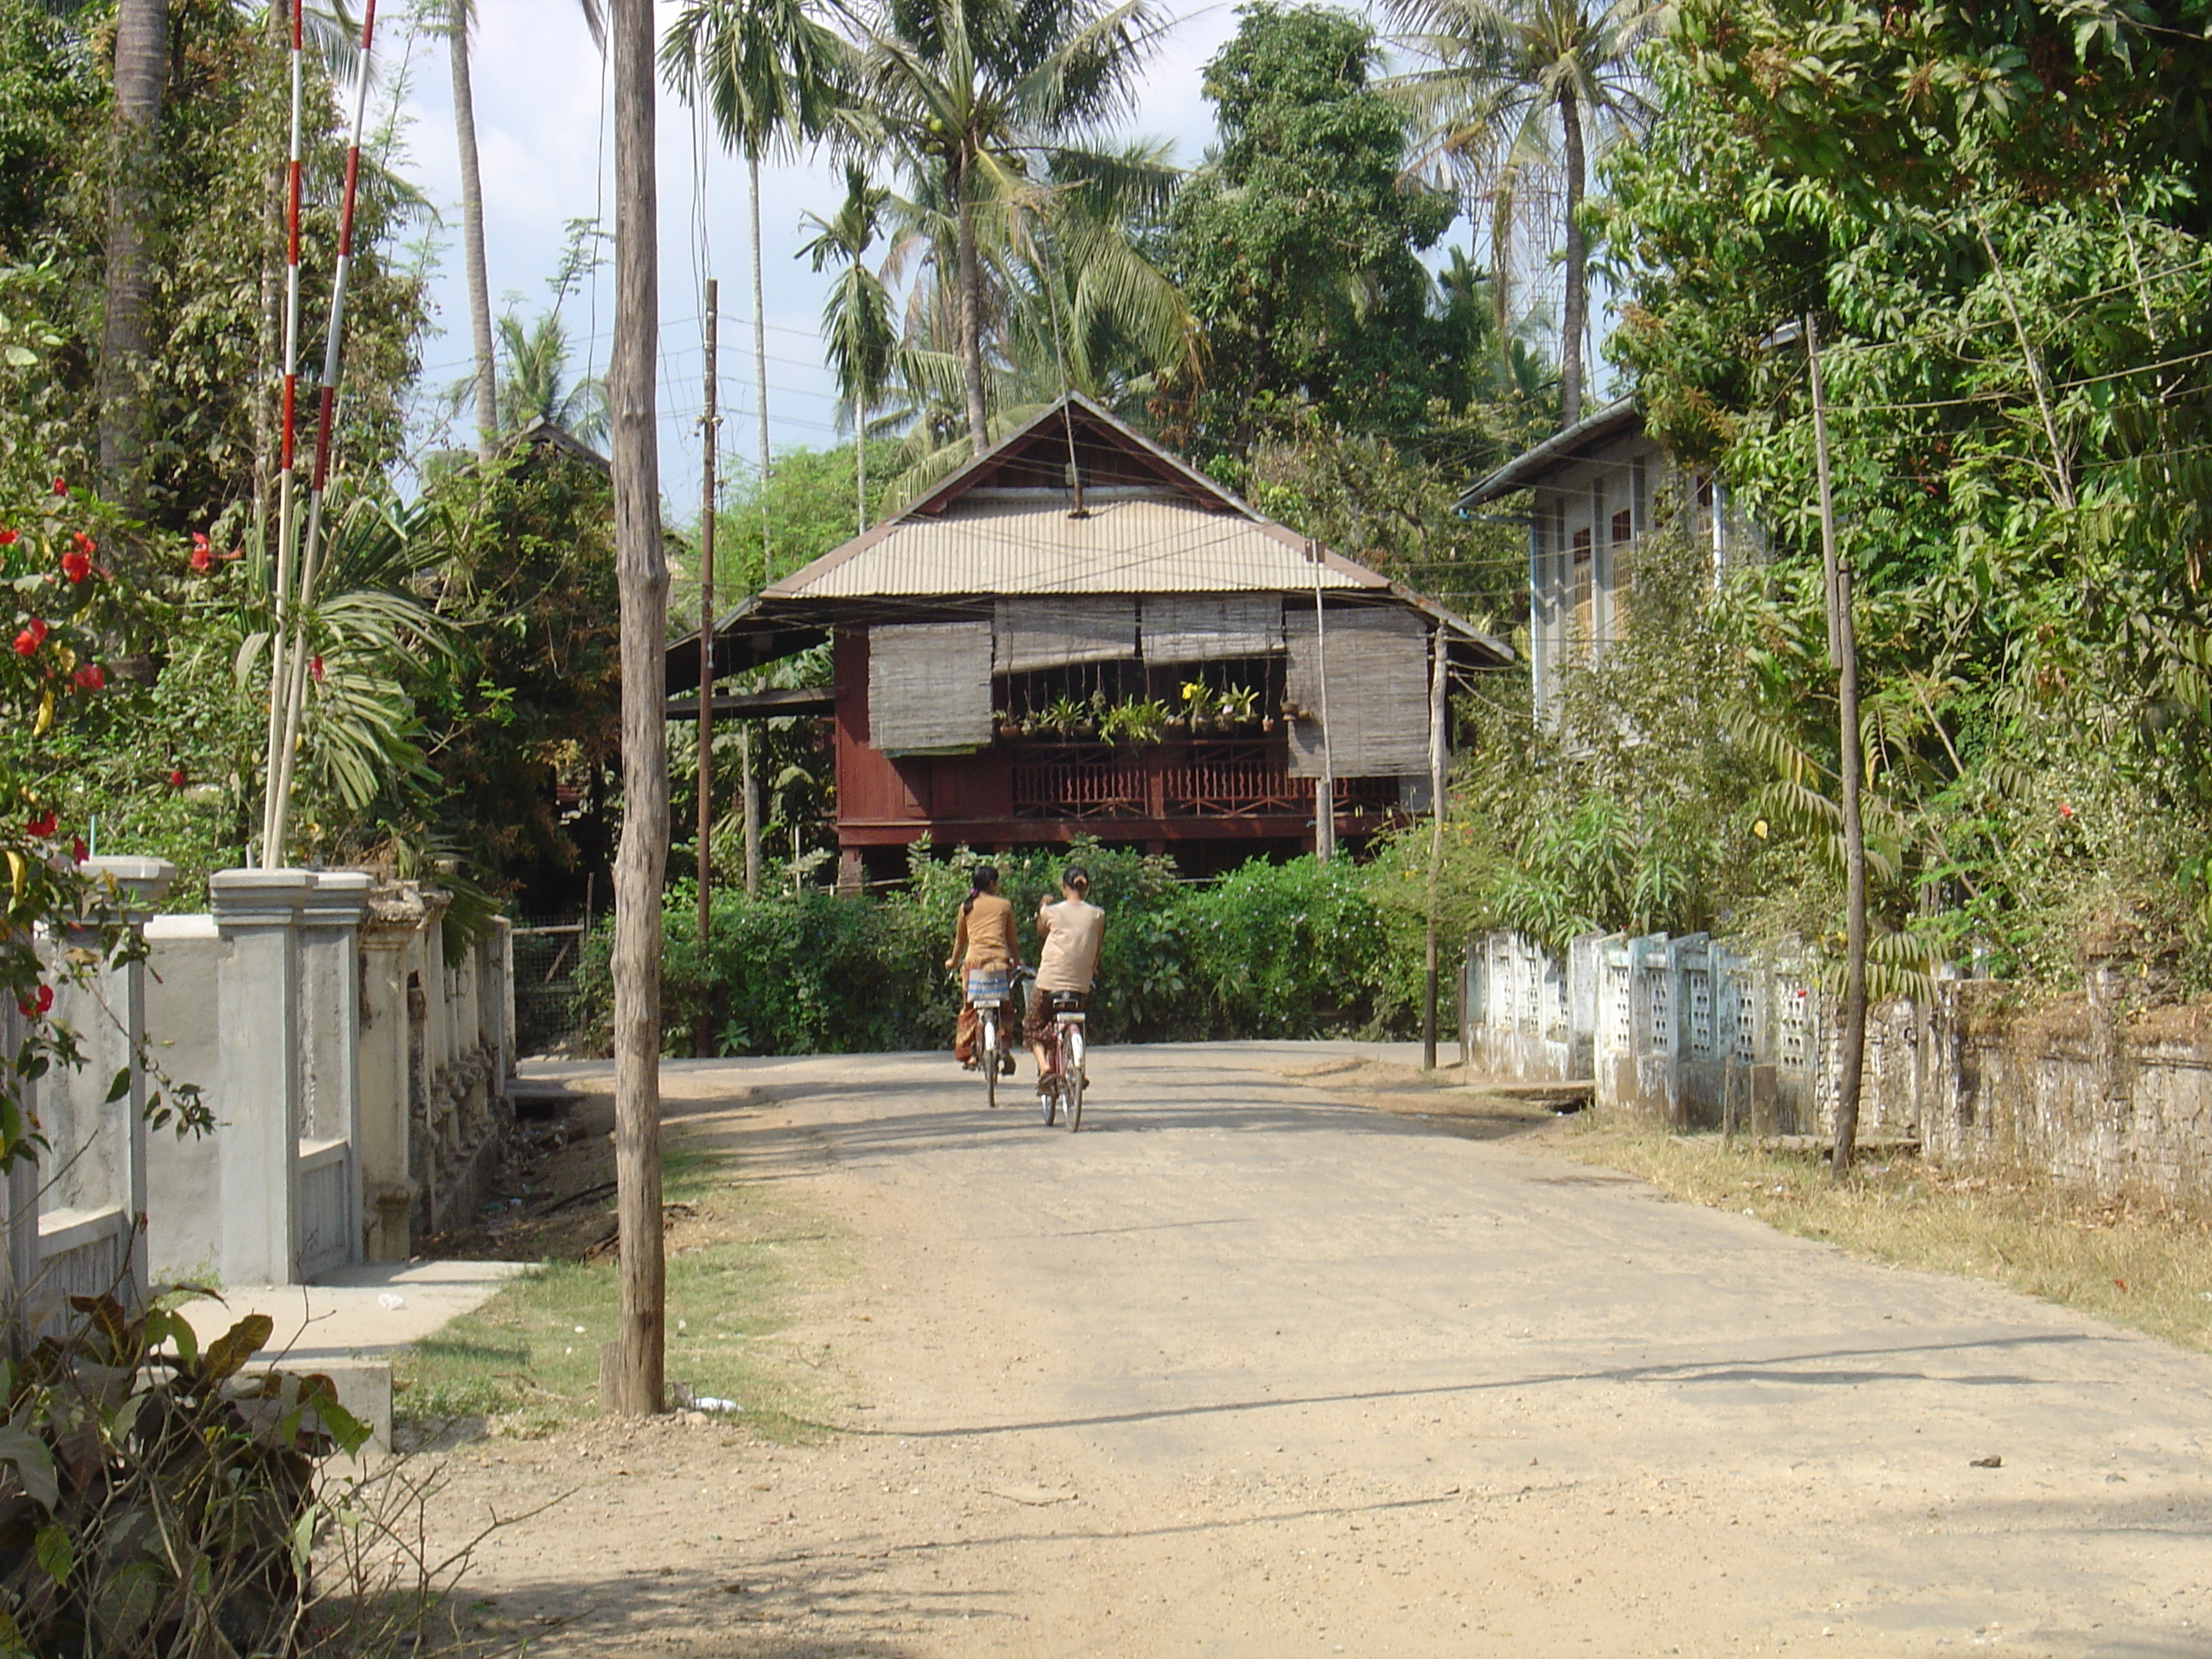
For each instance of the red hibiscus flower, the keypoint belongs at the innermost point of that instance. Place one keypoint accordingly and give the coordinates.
(41, 826)
(75, 566)
(315, 667)
(28, 642)
(177, 778)
(7, 538)
(61, 487)
(91, 676)
(202, 552)
(78, 850)
(34, 1006)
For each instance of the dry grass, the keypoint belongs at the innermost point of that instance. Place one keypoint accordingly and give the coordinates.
(2137, 1262)
(526, 1363)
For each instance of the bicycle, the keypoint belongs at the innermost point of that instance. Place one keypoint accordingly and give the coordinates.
(1063, 1085)
(989, 991)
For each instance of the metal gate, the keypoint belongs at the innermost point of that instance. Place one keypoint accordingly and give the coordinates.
(546, 995)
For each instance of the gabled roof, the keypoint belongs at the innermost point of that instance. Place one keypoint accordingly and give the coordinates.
(1009, 524)
(1581, 440)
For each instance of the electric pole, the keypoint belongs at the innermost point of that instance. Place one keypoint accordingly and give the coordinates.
(1843, 651)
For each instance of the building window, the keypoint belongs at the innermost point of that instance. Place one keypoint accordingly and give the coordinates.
(1623, 556)
(1585, 589)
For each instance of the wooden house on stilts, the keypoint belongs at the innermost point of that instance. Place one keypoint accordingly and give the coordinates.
(1078, 633)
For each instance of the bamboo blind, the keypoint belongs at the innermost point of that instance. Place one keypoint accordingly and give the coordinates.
(1208, 627)
(1033, 634)
(929, 687)
(1378, 693)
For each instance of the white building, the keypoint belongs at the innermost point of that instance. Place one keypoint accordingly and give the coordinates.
(1592, 493)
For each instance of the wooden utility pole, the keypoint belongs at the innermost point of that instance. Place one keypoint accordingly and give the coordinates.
(631, 1367)
(1843, 650)
(709, 422)
(1439, 668)
(1325, 785)
(750, 781)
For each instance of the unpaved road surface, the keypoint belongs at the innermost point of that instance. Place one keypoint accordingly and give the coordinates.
(1251, 1368)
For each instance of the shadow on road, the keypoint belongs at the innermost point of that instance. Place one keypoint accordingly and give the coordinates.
(1805, 1370)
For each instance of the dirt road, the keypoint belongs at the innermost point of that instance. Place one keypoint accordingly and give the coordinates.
(1247, 1368)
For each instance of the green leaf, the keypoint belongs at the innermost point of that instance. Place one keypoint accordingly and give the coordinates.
(119, 1087)
(55, 1553)
(33, 1462)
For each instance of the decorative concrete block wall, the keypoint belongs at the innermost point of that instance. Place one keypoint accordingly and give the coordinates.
(358, 1080)
(2109, 1090)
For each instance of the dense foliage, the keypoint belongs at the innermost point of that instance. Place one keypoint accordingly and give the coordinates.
(1296, 949)
(1299, 241)
(214, 254)
(1995, 217)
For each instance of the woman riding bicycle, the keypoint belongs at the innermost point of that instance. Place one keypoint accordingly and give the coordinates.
(983, 942)
(1072, 930)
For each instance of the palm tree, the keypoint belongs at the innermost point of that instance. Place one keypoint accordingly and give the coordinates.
(458, 22)
(533, 388)
(771, 71)
(142, 74)
(856, 319)
(1070, 302)
(981, 101)
(1504, 80)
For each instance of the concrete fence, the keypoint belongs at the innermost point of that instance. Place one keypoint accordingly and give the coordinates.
(1684, 1029)
(2110, 1089)
(357, 1076)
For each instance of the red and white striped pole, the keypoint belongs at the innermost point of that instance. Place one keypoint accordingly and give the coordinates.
(287, 525)
(296, 665)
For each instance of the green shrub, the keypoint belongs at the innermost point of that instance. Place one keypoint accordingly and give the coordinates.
(1296, 949)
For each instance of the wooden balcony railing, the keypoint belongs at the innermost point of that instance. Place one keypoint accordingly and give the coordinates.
(1194, 778)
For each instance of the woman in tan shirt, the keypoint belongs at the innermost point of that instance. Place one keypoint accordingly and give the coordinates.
(983, 942)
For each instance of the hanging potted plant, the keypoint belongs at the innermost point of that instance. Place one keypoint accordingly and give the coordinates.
(1062, 714)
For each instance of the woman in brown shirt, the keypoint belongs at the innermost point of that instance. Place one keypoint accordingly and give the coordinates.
(983, 942)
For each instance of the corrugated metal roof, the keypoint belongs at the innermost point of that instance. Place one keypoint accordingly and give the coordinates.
(1562, 448)
(1123, 546)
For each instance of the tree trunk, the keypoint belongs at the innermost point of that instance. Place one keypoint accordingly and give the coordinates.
(472, 234)
(641, 574)
(860, 463)
(971, 317)
(142, 74)
(1570, 318)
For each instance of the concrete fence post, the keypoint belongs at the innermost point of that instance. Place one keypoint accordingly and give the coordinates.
(388, 938)
(330, 1054)
(258, 1007)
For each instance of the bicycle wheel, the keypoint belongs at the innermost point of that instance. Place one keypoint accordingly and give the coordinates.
(1048, 1100)
(1070, 1074)
(988, 1044)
